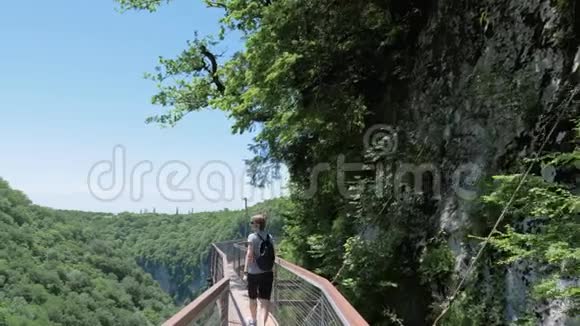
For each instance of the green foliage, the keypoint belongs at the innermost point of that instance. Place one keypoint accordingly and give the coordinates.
(471, 310)
(302, 81)
(78, 268)
(49, 275)
(498, 89)
(437, 264)
(555, 210)
(311, 78)
(482, 302)
(543, 228)
(563, 5)
(383, 263)
(150, 5)
(179, 244)
(307, 80)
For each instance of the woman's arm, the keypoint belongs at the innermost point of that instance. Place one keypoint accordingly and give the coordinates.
(249, 257)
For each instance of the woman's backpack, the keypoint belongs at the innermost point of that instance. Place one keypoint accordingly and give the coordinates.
(265, 259)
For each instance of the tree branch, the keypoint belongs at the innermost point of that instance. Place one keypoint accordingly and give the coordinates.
(216, 4)
(214, 67)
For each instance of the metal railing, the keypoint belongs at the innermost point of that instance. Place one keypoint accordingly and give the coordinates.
(300, 297)
(211, 307)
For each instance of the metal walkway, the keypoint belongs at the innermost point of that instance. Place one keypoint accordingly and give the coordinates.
(299, 296)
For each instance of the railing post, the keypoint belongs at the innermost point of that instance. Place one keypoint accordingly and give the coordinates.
(275, 287)
(322, 317)
(213, 267)
(237, 261)
(211, 263)
(226, 310)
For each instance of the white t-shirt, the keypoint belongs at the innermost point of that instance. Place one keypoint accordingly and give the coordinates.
(255, 241)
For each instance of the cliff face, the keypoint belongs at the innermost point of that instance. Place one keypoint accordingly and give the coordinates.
(488, 80)
(486, 73)
(179, 282)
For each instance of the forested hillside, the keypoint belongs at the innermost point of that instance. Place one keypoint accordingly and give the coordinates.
(460, 206)
(174, 248)
(57, 269)
(79, 268)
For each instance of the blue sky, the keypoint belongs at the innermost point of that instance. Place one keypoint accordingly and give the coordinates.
(72, 88)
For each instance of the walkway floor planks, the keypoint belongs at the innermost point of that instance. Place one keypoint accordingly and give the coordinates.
(239, 310)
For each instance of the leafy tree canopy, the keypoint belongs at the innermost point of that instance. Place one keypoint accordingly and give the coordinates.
(309, 85)
(78, 268)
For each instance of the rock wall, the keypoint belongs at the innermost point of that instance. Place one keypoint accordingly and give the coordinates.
(488, 79)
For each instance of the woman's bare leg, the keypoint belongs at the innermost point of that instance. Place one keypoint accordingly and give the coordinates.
(265, 307)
